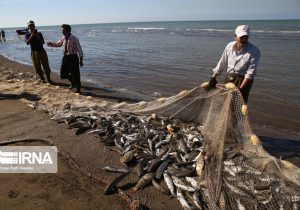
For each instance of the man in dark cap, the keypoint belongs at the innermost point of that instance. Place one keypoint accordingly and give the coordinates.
(38, 54)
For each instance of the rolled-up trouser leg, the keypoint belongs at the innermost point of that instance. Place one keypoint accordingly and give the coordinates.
(36, 61)
(45, 62)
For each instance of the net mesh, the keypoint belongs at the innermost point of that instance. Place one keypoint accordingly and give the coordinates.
(238, 173)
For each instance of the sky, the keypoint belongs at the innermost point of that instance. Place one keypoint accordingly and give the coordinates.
(15, 13)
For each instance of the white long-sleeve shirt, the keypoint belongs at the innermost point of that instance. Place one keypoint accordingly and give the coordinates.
(243, 63)
(73, 45)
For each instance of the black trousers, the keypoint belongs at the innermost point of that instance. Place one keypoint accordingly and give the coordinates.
(70, 69)
(237, 80)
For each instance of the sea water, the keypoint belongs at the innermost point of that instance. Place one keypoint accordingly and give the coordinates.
(148, 60)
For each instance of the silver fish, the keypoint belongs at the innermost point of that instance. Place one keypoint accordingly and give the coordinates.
(182, 200)
(238, 190)
(228, 163)
(163, 142)
(128, 156)
(192, 181)
(162, 168)
(236, 169)
(159, 187)
(169, 183)
(181, 185)
(228, 169)
(199, 203)
(95, 131)
(295, 198)
(110, 187)
(183, 146)
(240, 205)
(146, 179)
(115, 169)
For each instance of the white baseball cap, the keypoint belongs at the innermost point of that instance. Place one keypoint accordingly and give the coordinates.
(242, 30)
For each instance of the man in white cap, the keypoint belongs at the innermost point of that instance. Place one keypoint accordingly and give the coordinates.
(240, 59)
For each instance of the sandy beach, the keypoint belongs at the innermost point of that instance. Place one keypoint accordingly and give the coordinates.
(70, 188)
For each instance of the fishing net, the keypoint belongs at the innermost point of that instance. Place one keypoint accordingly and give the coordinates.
(270, 182)
(229, 165)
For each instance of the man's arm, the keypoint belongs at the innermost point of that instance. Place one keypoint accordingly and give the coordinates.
(79, 50)
(59, 43)
(22, 32)
(251, 72)
(223, 62)
(29, 40)
(245, 83)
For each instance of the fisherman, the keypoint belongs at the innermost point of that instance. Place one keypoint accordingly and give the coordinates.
(240, 59)
(38, 54)
(70, 62)
(3, 35)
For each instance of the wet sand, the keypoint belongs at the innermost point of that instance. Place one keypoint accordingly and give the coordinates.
(69, 188)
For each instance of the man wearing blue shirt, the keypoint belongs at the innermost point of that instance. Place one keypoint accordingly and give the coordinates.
(38, 54)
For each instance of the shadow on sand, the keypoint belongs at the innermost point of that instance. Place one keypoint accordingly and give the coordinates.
(28, 96)
(101, 93)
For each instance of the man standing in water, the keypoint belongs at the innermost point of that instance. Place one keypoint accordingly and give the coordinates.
(240, 59)
(38, 54)
(3, 35)
(70, 62)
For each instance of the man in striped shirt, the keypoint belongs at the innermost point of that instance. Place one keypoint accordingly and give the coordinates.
(240, 59)
(72, 58)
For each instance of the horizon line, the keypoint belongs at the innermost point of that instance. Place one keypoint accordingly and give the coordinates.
(156, 21)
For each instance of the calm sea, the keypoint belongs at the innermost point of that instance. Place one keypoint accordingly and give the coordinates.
(154, 59)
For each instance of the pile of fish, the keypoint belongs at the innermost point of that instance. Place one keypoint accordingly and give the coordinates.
(163, 152)
(170, 156)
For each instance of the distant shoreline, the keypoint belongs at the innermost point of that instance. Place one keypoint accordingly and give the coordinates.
(154, 21)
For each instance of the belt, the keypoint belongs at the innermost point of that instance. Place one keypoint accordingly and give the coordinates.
(69, 54)
(235, 75)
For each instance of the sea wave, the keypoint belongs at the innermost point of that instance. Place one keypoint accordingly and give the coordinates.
(208, 29)
(275, 31)
(46, 30)
(14, 59)
(144, 29)
(183, 30)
